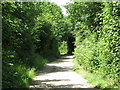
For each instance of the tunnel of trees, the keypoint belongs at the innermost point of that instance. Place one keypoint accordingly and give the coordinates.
(32, 33)
(70, 44)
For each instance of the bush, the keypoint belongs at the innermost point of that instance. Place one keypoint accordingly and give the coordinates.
(98, 50)
(63, 47)
(19, 76)
(30, 39)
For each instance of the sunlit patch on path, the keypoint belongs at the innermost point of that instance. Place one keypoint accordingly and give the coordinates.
(59, 74)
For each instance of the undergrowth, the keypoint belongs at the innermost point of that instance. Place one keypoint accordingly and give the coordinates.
(95, 79)
(63, 47)
(20, 75)
(97, 46)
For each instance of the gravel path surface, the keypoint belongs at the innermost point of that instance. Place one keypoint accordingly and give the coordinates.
(59, 74)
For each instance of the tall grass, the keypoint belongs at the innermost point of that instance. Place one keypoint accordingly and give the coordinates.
(95, 79)
(20, 75)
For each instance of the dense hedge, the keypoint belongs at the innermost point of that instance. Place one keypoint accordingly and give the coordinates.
(30, 37)
(33, 31)
(97, 33)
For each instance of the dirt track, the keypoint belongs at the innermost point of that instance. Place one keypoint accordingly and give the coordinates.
(59, 74)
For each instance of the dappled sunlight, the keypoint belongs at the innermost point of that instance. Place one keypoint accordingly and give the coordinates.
(36, 34)
(59, 74)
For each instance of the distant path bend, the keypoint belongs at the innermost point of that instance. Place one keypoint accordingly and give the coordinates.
(59, 74)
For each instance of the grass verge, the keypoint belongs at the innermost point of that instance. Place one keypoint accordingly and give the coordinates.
(95, 79)
(20, 75)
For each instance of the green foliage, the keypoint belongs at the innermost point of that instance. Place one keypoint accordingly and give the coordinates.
(63, 47)
(32, 32)
(97, 32)
(96, 80)
(39, 61)
(19, 76)
(30, 39)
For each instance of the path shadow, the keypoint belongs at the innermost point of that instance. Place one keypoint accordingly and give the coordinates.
(37, 82)
(65, 58)
(43, 84)
(53, 69)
